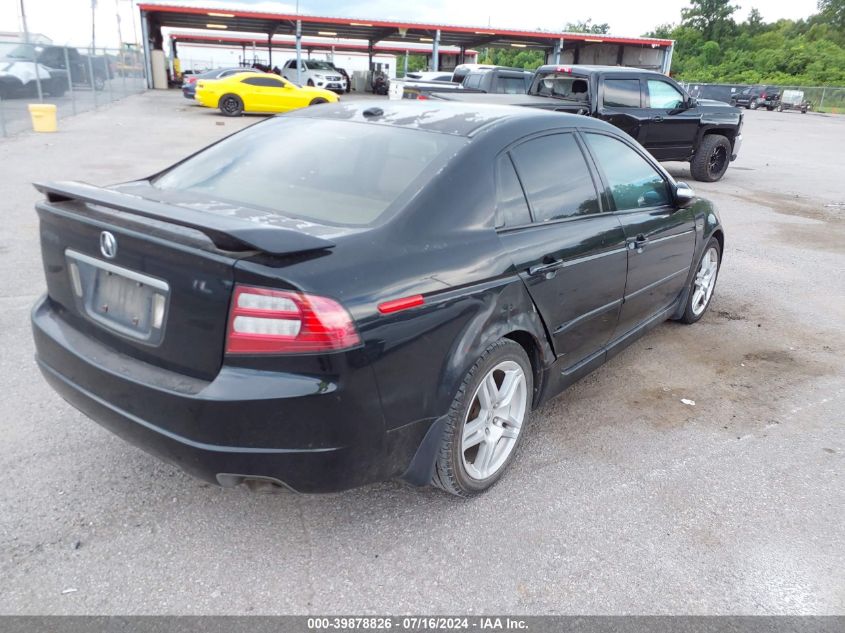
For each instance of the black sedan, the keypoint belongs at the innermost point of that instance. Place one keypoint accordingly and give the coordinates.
(388, 295)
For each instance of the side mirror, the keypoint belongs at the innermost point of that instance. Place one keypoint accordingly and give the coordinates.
(684, 194)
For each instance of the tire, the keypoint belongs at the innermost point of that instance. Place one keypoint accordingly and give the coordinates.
(711, 159)
(503, 363)
(769, 108)
(311, 82)
(231, 105)
(753, 104)
(99, 83)
(703, 282)
(780, 107)
(317, 101)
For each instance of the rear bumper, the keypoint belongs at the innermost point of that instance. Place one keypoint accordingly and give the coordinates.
(311, 433)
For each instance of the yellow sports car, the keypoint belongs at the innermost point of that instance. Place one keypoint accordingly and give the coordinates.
(258, 92)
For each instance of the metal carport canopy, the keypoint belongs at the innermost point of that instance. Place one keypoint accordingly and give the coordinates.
(154, 17)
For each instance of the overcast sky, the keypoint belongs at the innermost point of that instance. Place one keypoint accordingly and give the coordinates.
(69, 21)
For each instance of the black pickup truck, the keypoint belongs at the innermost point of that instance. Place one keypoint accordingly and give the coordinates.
(466, 78)
(649, 106)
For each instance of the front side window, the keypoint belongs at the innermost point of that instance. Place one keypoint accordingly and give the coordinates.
(279, 167)
(663, 95)
(556, 178)
(633, 182)
(511, 206)
(622, 93)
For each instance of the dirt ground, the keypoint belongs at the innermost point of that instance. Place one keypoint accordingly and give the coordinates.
(623, 500)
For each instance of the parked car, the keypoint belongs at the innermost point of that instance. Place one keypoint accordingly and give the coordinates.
(649, 106)
(316, 73)
(20, 74)
(86, 71)
(353, 293)
(755, 97)
(189, 81)
(472, 78)
(258, 92)
(793, 100)
(426, 75)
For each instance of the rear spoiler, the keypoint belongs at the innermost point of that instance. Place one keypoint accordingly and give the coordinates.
(228, 233)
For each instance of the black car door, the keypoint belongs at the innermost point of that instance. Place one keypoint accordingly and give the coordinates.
(660, 237)
(620, 103)
(570, 254)
(673, 122)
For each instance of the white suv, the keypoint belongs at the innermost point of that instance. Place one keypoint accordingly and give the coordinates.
(314, 72)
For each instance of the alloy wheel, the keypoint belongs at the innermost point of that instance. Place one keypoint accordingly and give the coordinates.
(717, 160)
(494, 420)
(705, 281)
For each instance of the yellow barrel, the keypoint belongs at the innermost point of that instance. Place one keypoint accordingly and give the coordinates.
(43, 117)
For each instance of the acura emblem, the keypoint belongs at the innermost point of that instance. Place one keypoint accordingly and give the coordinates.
(108, 245)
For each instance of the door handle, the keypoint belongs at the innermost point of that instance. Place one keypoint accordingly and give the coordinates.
(638, 243)
(549, 265)
(657, 119)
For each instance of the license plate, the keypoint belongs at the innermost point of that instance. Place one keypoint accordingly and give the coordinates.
(128, 302)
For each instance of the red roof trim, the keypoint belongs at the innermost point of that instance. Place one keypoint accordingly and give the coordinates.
(163, 8)
(378, 48)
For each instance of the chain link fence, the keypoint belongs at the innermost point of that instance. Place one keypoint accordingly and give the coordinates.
(820, 98)
(75, 79)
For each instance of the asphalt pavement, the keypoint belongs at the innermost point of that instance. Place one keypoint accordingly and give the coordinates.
(624, 499)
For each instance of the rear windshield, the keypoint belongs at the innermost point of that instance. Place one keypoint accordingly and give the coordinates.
(561, 85)
(326, 171)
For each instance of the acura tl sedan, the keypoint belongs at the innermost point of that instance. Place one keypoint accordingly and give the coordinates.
(389, 297)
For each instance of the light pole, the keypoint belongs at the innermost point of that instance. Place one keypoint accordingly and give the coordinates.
(23, 23)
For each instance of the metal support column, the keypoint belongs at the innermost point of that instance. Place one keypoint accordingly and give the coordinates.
(299, 51)
(435, 52)
(145, 39)
(556, 52)
(370, 55)
(405, 73)
(667, 58)
(270, 51)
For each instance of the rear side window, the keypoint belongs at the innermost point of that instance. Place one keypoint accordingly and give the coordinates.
(472, 81)
(633, 182)
(556, 178)
(622, 93)
(511, 206)
(511, 85)
(280, 166)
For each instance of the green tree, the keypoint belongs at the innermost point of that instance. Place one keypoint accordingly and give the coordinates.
(833, 10)
(711, 17)
(586, 26)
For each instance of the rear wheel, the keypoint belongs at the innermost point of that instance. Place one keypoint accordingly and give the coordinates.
(486, 421)
(99, 83)
(780, 107)
(704, 282)
(753, 104)
(711, 159)
(231, 105)
(311, 82)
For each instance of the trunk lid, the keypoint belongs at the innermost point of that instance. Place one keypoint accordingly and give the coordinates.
(149, 277)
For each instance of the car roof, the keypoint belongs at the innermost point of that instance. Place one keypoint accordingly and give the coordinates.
(587, 69)
(445, 117)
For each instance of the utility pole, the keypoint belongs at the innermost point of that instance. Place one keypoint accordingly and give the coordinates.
(93, 26)
(23, 23)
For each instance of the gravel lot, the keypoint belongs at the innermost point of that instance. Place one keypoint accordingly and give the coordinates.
(624, 499)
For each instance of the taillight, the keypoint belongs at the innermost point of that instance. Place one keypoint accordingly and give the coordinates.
(422, 97)
(192, 80)
(267, 321)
